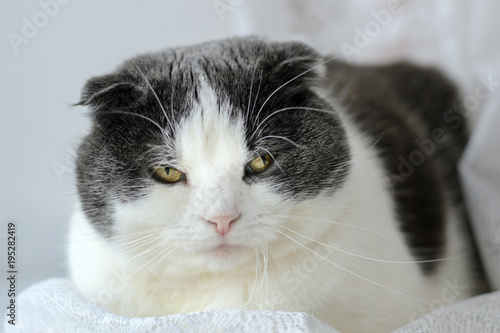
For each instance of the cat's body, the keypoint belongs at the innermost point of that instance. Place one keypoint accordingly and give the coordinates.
(333, 227)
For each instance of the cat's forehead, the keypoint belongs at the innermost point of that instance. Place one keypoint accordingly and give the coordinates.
(245, 71)
(211, 138)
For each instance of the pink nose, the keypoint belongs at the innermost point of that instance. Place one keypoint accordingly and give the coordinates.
(222, 222)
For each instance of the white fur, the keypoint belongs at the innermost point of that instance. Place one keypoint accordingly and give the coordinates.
(178, 268)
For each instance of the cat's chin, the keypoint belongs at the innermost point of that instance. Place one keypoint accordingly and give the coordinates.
(224, 257)
(223, 251)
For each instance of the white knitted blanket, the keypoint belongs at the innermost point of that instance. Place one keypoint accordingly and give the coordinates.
(54, 306)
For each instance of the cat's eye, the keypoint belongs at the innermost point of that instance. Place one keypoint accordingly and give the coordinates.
(259, 164)
(168, 175)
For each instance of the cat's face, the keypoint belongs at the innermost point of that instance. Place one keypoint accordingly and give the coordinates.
(200, 158)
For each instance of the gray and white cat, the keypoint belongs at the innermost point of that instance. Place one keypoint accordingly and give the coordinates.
(245, 174)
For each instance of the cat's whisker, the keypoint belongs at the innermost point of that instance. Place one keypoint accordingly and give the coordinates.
(257, 268)
(140, 116)
(141, 157)
(250, 95)
(272, 156)
(166, 248)
(306, 218)
(135, 237)
(258, 91)
(134, 241)
(157, 99)
(290, 81)
(121, 252)
(159, 258)
(160, 157)
(155, 261)
(369, 258)
(361, 156)
(123, 248)
(124, 139)
(150, 248)
(259, 274)
(165, 157)
(150, 230)
(288, 109)
(135, 247)
(113, 238)
(345, 269)
(172, 100)
(280, 137)
(311, 303)
(262, 272)
(266, 266)
(340, 165)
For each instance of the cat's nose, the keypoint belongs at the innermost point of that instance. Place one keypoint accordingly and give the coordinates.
(222, 222)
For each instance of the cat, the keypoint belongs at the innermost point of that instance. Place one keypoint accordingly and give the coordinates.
(248, 174)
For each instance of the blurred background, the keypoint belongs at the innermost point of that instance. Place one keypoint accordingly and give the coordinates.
(49, 48)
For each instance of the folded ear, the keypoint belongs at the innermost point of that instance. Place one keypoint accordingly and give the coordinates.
(299, 62)
(108, 92)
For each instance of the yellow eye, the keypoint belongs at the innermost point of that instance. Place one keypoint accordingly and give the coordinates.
(259, 164)
(169, 175)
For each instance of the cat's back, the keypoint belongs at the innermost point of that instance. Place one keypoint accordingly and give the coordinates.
(417, 123)
(409, 100)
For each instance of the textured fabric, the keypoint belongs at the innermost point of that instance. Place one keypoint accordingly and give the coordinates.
(480, 314)
(480, 170)
(54, 306)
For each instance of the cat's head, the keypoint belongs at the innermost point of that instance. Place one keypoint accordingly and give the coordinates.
(200, 157)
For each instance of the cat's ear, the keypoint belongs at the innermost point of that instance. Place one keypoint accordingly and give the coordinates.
(298, 61)
(109, 92)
